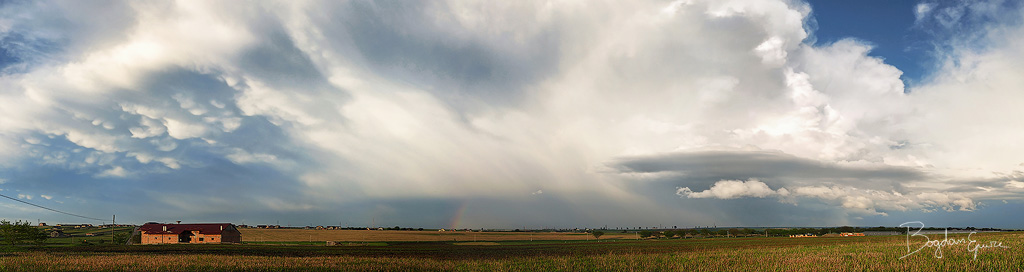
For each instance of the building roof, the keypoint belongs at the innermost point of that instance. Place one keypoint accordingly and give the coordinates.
(210, 228)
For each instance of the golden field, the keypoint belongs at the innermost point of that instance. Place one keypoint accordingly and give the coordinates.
(301, 235)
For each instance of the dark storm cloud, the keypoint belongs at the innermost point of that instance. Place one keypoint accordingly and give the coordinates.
(706, 167)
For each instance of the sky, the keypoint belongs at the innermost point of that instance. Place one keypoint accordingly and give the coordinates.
(514, 114)
(884, 25)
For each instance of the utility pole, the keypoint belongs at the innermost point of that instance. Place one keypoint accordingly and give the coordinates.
(113, 223)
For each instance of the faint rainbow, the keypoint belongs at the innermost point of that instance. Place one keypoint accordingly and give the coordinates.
(458, 215)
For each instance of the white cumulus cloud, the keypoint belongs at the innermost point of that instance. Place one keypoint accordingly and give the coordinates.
(728, 189)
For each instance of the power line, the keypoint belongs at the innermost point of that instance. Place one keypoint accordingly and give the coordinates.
(67, 213)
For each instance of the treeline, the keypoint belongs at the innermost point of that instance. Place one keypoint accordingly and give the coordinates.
(21, 232)
(823, 231)
(837, 230)
(699, 232)
(742, 232)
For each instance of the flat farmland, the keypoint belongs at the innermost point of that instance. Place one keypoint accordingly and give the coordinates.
(302, 235)
(880, 253)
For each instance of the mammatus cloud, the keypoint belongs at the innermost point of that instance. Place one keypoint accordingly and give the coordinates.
(383, 107)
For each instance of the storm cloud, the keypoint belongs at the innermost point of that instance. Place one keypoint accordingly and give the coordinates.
(768, 164)
(496, 113)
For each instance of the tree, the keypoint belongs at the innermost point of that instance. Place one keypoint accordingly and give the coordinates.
(734, 232)
(136, 238)
(597, 234)
(669, 233)
(645, 233)
(20, 232)
(121, 237)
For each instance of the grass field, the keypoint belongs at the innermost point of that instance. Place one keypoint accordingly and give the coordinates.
(97, 235)
(300, 235)
(717, 254)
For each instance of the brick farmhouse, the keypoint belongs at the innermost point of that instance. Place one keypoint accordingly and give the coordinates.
(154, 233)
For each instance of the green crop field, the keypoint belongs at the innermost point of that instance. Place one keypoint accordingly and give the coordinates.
(93, 235)
(714, 254)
